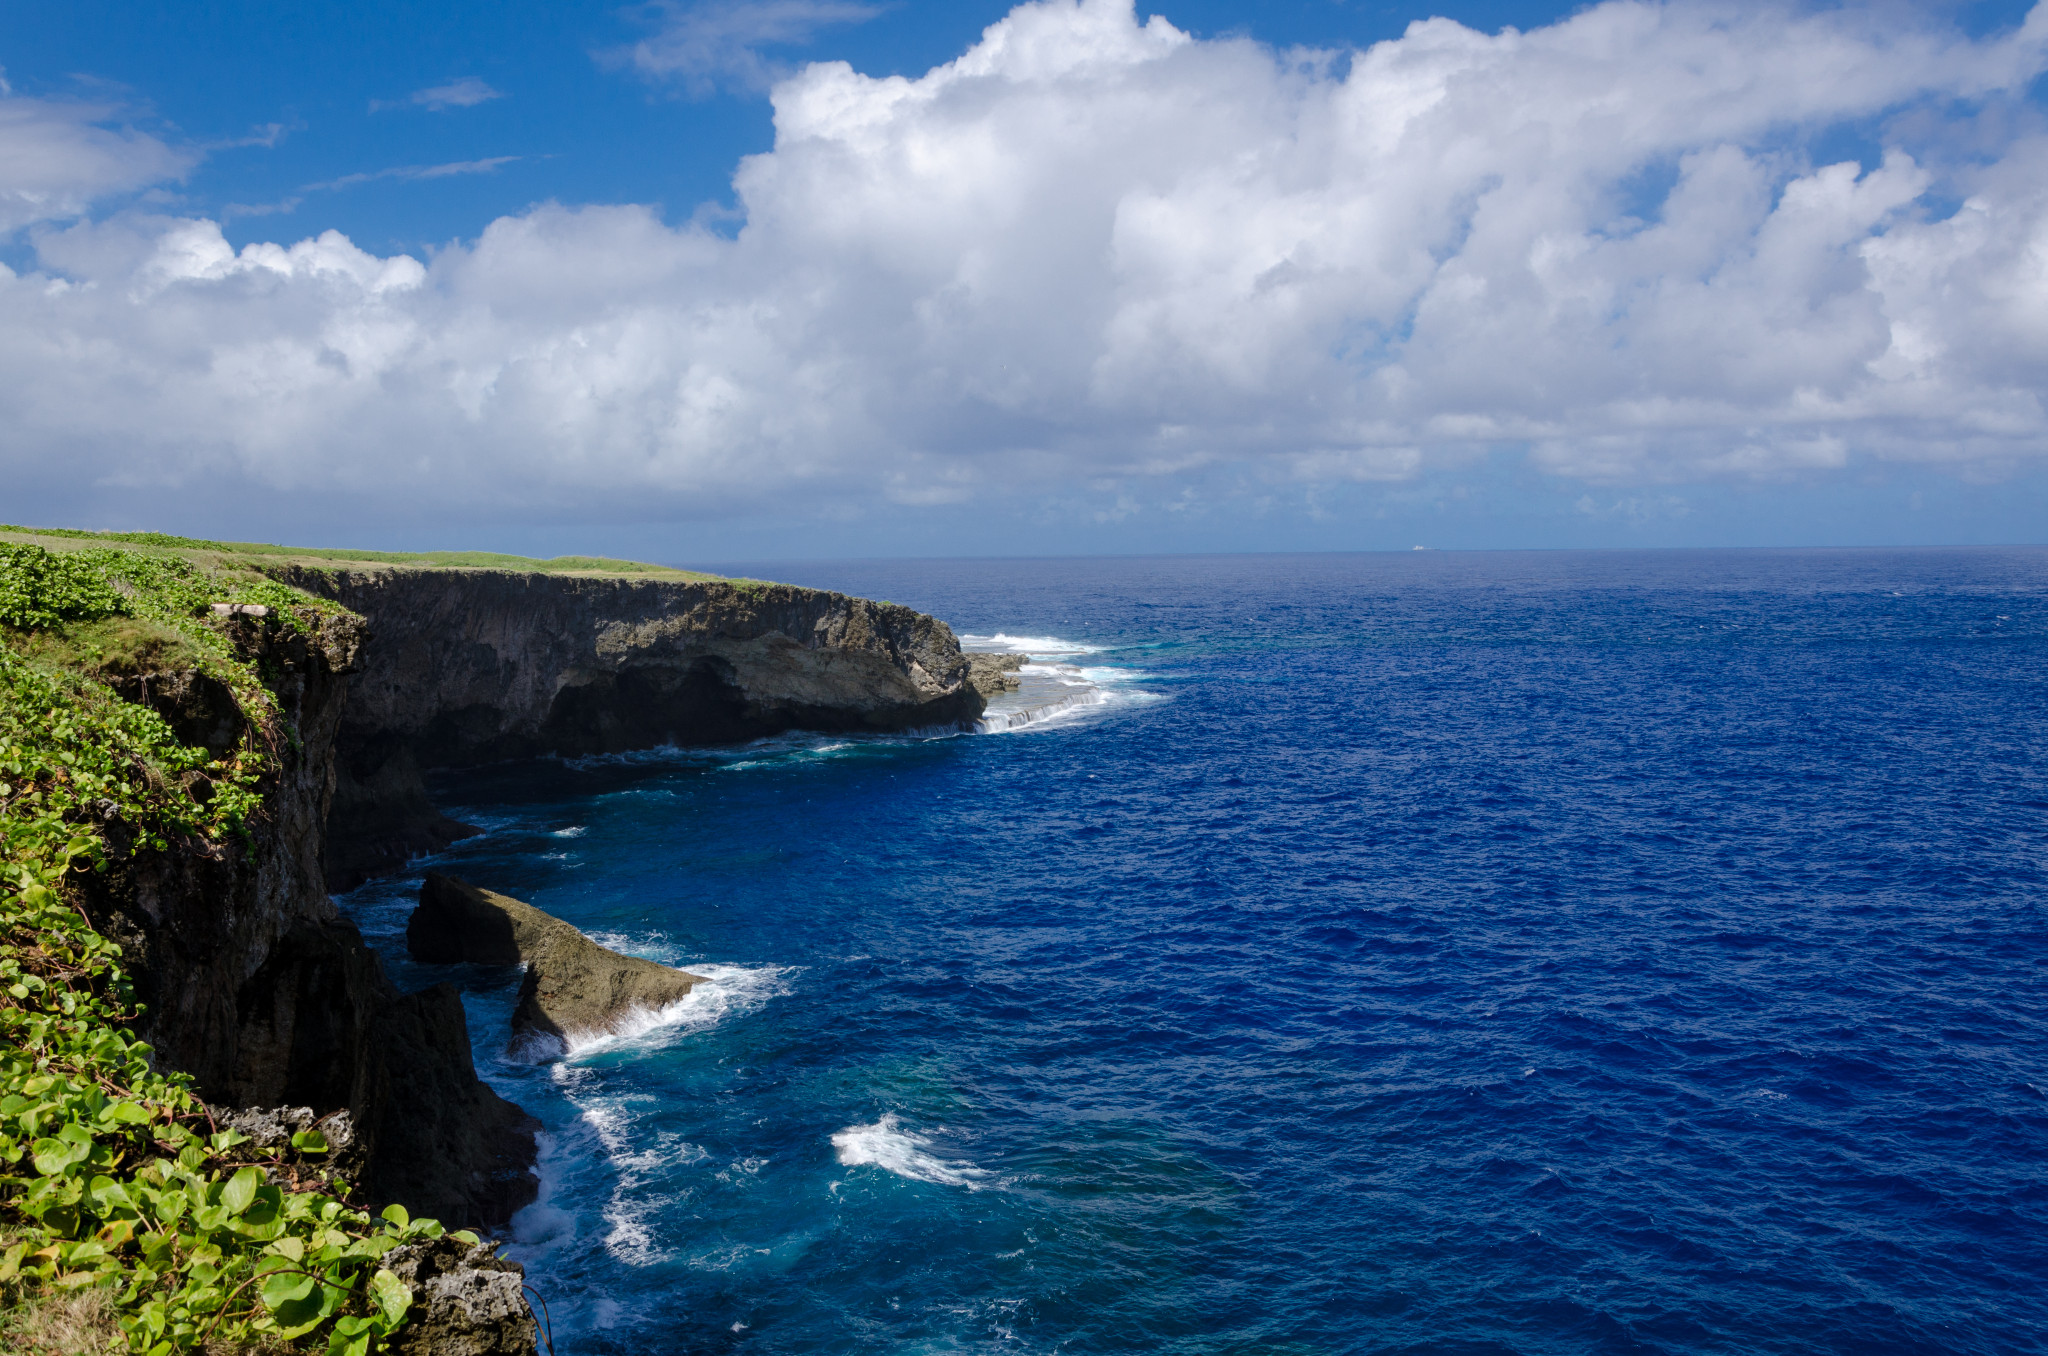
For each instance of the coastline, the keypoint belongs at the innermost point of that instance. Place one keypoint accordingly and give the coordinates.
(377, 671)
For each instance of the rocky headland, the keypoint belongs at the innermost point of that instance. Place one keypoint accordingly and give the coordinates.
(260, 988)
(253, 982)
(463, 667)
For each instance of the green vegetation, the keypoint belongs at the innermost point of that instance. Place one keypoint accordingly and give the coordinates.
(257, 556)
(123, 1212)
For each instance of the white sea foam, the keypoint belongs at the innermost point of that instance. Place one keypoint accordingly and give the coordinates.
(1003, 722)
(543, 1223)
(785, 751)
(573, 831)
(727, 991)
(886, 1145)
(1051, 692)
(1003, 643)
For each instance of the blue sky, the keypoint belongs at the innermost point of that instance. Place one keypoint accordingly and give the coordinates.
(1562, 302)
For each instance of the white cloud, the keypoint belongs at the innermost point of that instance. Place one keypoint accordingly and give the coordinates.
(57, 158)
(717, 43)
(1097, 252)
(466, 92)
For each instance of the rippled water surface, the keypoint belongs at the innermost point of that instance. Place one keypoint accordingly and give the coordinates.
(1615, 952)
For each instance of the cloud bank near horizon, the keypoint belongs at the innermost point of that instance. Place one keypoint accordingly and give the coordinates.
(1094, 251)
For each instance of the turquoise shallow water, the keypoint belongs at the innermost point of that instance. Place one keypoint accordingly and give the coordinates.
(1542, 952)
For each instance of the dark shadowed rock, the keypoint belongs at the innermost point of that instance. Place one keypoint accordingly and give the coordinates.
(258, 989)
(573, 989)
(323, 1027)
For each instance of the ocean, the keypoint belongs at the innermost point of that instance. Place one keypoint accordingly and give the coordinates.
(1548, 952)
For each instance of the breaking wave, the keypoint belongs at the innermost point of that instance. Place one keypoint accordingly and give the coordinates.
(888, 1146)
(727, 990)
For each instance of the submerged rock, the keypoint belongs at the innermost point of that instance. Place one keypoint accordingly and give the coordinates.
(574, 988)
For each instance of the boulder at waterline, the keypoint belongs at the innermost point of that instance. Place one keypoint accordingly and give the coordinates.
(574, 988)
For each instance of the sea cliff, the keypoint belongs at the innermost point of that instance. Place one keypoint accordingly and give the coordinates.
(340, 688)
(469, 666)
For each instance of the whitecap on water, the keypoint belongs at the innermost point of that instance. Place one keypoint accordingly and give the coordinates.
(886, 1145)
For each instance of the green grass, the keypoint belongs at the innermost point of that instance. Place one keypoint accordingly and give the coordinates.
(257, 556)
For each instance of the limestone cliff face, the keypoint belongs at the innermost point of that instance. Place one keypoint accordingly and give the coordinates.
(254, 983)
(258, 988)
(472, 666)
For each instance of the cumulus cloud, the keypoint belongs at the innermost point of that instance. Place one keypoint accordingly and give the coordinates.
(716, 43)
(1093, 250)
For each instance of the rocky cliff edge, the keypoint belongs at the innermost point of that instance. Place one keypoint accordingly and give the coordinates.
(473, 666)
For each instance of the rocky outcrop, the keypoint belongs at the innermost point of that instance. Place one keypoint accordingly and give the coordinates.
(253, 983)
(467, 1301)
(473, 666)
(993, 674)
(573, 987)
(270, 1129)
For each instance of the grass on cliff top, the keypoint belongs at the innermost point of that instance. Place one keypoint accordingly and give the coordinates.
(261, 556)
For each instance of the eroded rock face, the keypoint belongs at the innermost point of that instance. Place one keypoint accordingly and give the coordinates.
(475, 666)
(991, 674)
(256, 986)
(573, 988)
(467, 1301)
(198, 922)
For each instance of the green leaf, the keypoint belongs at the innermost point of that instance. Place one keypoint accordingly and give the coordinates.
(52, 1156)
(396, 1213)
(300, 1317)
(284, 1288)
(351, 1337)
(309, 1142)
(391, 1297)
(236, 1196)
(108, 1196)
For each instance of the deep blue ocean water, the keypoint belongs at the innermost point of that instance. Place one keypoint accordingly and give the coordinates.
(1521, 952)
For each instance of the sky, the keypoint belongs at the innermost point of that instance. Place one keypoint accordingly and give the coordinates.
(710, 280)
